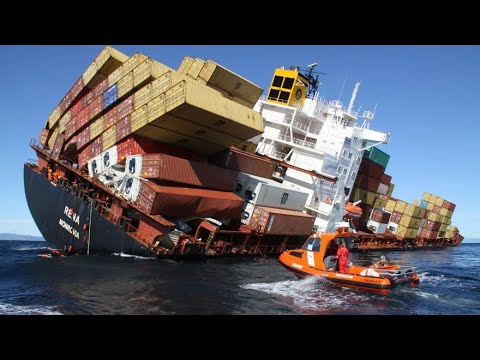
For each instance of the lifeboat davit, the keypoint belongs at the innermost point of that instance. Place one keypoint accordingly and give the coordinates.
(317, 258)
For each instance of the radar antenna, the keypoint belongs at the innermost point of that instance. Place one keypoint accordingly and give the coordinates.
(312, 80)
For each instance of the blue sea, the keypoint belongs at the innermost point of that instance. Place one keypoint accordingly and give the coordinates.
(124, 284)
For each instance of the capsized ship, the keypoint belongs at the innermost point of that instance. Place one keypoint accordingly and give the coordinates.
(144, 159)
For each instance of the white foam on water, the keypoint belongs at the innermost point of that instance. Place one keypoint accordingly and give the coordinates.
(137, 257)
(435, 279)
(29, 248)
(9, 309)
(311, 293)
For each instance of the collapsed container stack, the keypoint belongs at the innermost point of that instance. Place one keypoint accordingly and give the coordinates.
(162, 125)
(428, 218)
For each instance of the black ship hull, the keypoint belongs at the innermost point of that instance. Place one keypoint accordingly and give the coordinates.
(66, 220)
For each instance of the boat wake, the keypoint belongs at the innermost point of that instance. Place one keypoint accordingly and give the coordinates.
(29, 248)
(136, 257)
(9, 309)
(313, 294)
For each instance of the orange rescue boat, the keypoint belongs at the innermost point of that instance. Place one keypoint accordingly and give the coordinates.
(317, 258)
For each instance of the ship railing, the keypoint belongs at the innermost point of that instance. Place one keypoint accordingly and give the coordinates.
(304, 143)
(278, 155)
(284, 138)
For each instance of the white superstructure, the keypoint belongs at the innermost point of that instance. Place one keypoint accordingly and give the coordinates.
(315, 134)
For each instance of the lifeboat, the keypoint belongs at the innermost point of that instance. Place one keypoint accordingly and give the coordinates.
(352, 210)
(317, 257)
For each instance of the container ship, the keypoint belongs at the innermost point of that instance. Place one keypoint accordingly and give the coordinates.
(144, 159)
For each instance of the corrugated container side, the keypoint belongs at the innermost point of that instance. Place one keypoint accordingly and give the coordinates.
(155, 108)
(443, 227)
(380, 202)
(64, 120)
(195, 68)
(367, 183)
(390, 205)
(58, 145)
(53, 137)
(434, 217)
(370, 168)
(185, 65)
(452, 207)
(430, 206)
(83, 138)
(125, 108)
(139, 118)
(432, 225)
(143, 96)
(436, 209)
(96, 128)
(428, 234)
(54, 117)
(409, 209)
(410, 222)
(90, 72)
(396, 216)
(127, 66)
(96, 106)
(443, 211)
(71, 95)
(386, 179)
(109, 137)
(123, 128)
(390, 189)
(449, 213)
(380, 216)
(378, 156)
(125, 84)
(433, 198)
(439, 201)
(96, 146)
(419, 212)
(279, 221)
(400, 206)
(43, 137)
(416, 202)
(453, 228)
(83, 117)
(84, 156)
(426, 196)
(246, 163)
(110, 96)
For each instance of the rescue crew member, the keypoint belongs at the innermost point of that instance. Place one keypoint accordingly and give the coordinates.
(342, 256)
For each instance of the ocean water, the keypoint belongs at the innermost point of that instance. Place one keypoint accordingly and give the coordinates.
(123, 284)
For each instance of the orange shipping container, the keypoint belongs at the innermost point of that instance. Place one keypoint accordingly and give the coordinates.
(280, 221)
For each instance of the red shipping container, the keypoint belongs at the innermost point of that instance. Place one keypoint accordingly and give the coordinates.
(110, 118)
(58, 145)
(83, 138)
(280, 221)
(380, 216)
(186, 202)
(83, 117)
(428, 234)
(135, 144)
(386, 179)
(43, 137)
(369, 168)
(96, 106)
(125, 108)
(97, 146)
(76, 108)
(367, 183)
(71, 95)
(70, 128)
(395, 218)
(238, 160)
(100, 88)
(432, 225)
(123, 128)
(84, 156)
(436, 209)
(175, 169)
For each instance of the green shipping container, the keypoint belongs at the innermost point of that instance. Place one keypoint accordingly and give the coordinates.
(377, 156)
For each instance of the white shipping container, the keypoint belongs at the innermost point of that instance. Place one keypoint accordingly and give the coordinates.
(133, 164)
(131, 188)
(109, 157)
(392, 227)
(266, 192)
(95, 166)
(382, 189)
(377, 228)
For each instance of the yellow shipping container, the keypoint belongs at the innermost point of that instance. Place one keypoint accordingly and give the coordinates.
(156, 108)
(195, 68)
(419, 212)
(450, 213)
(443, 227)
(390, 205)
(447, 220)
(106, 63)
(439, 201)
(64, 120)
(400, 206)
(185, 65)
(416, 202)
(109, 138)
(410, 222)
(365, 196)
(443, 211)
(401, 230)
(390, 189)
(433, 198)
(411, 233)
(139, 118)
(132, 62)
(53, 137)
(142, 96)
(452, 228)
(449, 234)
(380, 202)
(430, 206)
(434, 217)
(54, 117)
(222, 78)
(96, 128)
(426, 196)
(125, 84)
(409, 209)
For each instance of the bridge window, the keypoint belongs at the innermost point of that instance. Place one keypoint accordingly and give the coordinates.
(312, 244)
(288, 83)
(277, 81)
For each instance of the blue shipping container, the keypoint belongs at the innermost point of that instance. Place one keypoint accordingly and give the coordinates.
(110, 96)
(423, 204)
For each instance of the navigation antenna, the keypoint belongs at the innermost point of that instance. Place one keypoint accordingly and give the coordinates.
(313, 81)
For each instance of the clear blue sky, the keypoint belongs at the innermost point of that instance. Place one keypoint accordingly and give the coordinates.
(426, 96)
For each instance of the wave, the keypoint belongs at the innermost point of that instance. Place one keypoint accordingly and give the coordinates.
(9, 309)
(137, 257)
(29, 248)
(312, 293)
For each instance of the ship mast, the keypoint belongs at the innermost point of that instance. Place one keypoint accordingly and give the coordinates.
(354, 95)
